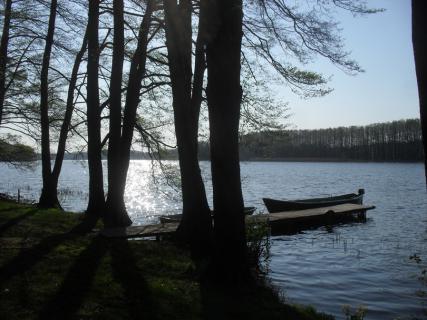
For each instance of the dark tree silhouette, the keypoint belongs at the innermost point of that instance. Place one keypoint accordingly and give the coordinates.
(419, 41)
(47, 197)
(27, 43)
(195, 226)
(115, 201)
(96, 190)
(51, 192)
(391, 141)
(69, 108)
(4, 43)
(119, 147)
(224, 93)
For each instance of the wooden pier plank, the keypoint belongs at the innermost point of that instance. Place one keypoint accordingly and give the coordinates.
(153, 230)
(282, 218)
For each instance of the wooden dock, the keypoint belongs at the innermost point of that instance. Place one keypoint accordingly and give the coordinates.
(279, 222)
(294, 221)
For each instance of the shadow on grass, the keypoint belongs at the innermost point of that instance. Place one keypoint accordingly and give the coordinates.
(73, 291)
(7, 209)
(252, 301)
(27, 258)
(220, 302)
(77, 282)
(11, 222)
(126, 272)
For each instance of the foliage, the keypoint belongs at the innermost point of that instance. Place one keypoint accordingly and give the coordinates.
(391, 141)
(279, 40)
(359, 313)
(259, 244)
(422, 277)
(15, 152)
(28, 32)
(287, 37)
(260, 109)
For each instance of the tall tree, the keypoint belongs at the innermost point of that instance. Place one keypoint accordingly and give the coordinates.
(119, 146)
(47, 199)
(96, 202)
(224, 94)
(419, 41)
(49, 195)
(27, 71)
(69, 108)
(196, 225)
(23, 56)
(4, 43)
(115, 200)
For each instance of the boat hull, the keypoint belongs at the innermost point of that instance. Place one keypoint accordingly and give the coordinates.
(302, 204)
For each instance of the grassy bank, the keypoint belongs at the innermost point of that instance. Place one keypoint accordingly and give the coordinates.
(49, 272)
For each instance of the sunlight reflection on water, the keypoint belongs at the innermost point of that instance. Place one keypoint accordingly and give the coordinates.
(147, 198)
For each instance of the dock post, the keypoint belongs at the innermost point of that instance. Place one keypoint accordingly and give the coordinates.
(361, 215)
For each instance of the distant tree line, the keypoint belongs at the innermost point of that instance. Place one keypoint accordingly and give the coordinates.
(391, 141)
(12, 151)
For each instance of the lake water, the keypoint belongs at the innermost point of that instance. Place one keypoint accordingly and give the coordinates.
(359, 264)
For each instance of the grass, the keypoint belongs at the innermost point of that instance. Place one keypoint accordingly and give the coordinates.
(49, 272)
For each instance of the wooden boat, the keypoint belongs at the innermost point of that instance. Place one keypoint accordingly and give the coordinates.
(302, 204)
(177, 217)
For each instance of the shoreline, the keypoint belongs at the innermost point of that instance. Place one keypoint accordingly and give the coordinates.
(331, 160)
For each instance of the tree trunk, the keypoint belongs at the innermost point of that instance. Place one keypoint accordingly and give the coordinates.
(116, 214)
(3, 54)
(68, 114)
(96, 203)
(224, 97)
(419, 41)
(196, 226)
(48, 196)
(116, 183)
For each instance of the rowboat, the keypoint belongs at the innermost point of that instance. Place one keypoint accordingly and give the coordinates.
(302, 204)
(177, 217)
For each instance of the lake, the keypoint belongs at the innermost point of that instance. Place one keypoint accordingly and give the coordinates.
(359, 264)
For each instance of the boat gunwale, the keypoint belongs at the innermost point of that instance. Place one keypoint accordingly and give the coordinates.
(274, 205)
(349, 196)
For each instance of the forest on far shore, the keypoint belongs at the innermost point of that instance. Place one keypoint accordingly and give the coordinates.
(389, 141)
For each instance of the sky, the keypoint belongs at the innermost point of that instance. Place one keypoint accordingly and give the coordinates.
(386, 91)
